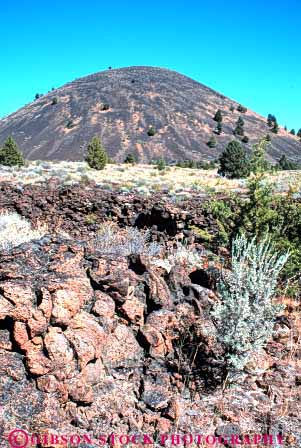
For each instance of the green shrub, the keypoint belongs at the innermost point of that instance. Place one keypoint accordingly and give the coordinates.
(212, 142)
(271, 120)
(130, 158)
(96, 155)
(151, 131)
(285, 164)
(275, 128)
(54, 101)
(242, 109)
(10, 155)
(260, 213)
(161, 164)
(239, 129)
(245, 317)
(70, 124)
(218, 116)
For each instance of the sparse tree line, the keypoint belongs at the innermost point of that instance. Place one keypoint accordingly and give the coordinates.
(239, 130)
(234, 161)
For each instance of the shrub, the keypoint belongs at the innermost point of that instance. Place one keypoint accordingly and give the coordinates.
(15, 230)
(180, 255)
(233, 161)
(218, 116)
(54, 101)
(285, 164)
(10, 154)
(96, 155)
(293, 132)
(151, 131)
(70, 124)
(130, 158)
(245, 139)
(271, 120)
(161, 164)
(187, 164)
(116, 242)
(105, 107)
(239, 129)
(212, 142)
(260, 213)
(245, 316)
(242, 109)
(275, 128)
(268, 138)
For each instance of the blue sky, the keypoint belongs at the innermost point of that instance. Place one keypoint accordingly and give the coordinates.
(247, 50)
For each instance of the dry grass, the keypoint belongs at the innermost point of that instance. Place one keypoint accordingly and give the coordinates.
(144, 179)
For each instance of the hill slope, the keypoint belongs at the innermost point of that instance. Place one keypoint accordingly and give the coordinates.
(180, 109)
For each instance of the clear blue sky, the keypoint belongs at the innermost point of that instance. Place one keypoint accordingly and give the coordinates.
(247, 50)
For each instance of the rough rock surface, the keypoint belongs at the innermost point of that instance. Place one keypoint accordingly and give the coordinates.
(83, 352)
(181, 111)
(67, 209)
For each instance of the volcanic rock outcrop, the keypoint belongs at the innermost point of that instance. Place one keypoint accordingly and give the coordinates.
(95, 345)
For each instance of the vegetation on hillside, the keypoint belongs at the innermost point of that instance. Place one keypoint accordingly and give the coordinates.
(96, 154)
(10, 154)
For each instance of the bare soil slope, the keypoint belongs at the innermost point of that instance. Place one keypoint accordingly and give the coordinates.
(181, 111)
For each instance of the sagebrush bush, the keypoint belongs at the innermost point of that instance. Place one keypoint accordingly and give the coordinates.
(180, 255)
(16, 230)
(245, 316)
(113, 241)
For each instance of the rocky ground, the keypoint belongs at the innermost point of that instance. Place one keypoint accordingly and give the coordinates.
(91, 344)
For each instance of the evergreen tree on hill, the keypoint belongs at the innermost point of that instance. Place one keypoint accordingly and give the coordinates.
(10, 155)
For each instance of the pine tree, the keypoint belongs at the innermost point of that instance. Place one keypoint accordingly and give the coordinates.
(239, 129)
(10, 154)
(299, 133)
(275, 128)
(218, 116)
(212, 142)
(233, 161)
(293, 132)
(96, 155)
(258, 163)
(271, 120)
